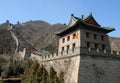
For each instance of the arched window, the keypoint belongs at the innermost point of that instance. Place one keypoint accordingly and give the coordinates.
(68, 47)
(68, 38)
(74, 36)
(63, 40)
(73, 46)
(62, 48)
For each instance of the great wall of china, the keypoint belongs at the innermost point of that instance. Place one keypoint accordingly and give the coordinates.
(84, 65)
(81, 64)
(77, 52)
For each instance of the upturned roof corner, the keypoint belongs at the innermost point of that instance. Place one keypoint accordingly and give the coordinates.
(88, 21)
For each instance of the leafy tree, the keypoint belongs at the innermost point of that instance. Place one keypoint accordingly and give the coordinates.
(38, 74)
(44, 75)
(0, 70)
(61, 77)
(15, 69)
(53, 76)
(30, 77)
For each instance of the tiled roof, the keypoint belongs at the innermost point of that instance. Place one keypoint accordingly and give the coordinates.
(84, 21)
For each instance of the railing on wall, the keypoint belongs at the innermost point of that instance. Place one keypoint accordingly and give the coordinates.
(81, 51)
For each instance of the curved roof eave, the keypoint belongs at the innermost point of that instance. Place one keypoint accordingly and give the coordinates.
(67, 28)
(107, 29)
(89, 17)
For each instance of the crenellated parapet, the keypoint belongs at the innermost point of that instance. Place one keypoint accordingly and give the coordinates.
(78, 51)
(99, 52)
(64, 54)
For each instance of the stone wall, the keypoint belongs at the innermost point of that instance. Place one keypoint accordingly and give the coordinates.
(99, 70)
(85, 65)
(22, 53)
(69, 66)
(67, 62)
(16, 40)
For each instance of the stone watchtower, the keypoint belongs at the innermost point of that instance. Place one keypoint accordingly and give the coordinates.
(84, 32)
(84, 53)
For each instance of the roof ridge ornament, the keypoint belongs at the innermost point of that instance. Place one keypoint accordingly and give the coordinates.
(72, 14)
(90, 13)
(82, 16)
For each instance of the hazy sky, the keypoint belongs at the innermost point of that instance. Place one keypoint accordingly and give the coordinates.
(106, 12)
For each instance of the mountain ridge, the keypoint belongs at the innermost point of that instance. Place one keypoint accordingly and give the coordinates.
(41, 35)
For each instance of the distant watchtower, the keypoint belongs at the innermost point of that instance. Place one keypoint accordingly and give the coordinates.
(84, 32)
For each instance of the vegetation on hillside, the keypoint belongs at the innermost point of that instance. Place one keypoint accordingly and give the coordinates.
(7, 44)
(51, 49)
(115, 43)
(39, 34)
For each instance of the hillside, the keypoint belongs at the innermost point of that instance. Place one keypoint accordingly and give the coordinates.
(7, 43)
(115, 43)
(39, 35)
